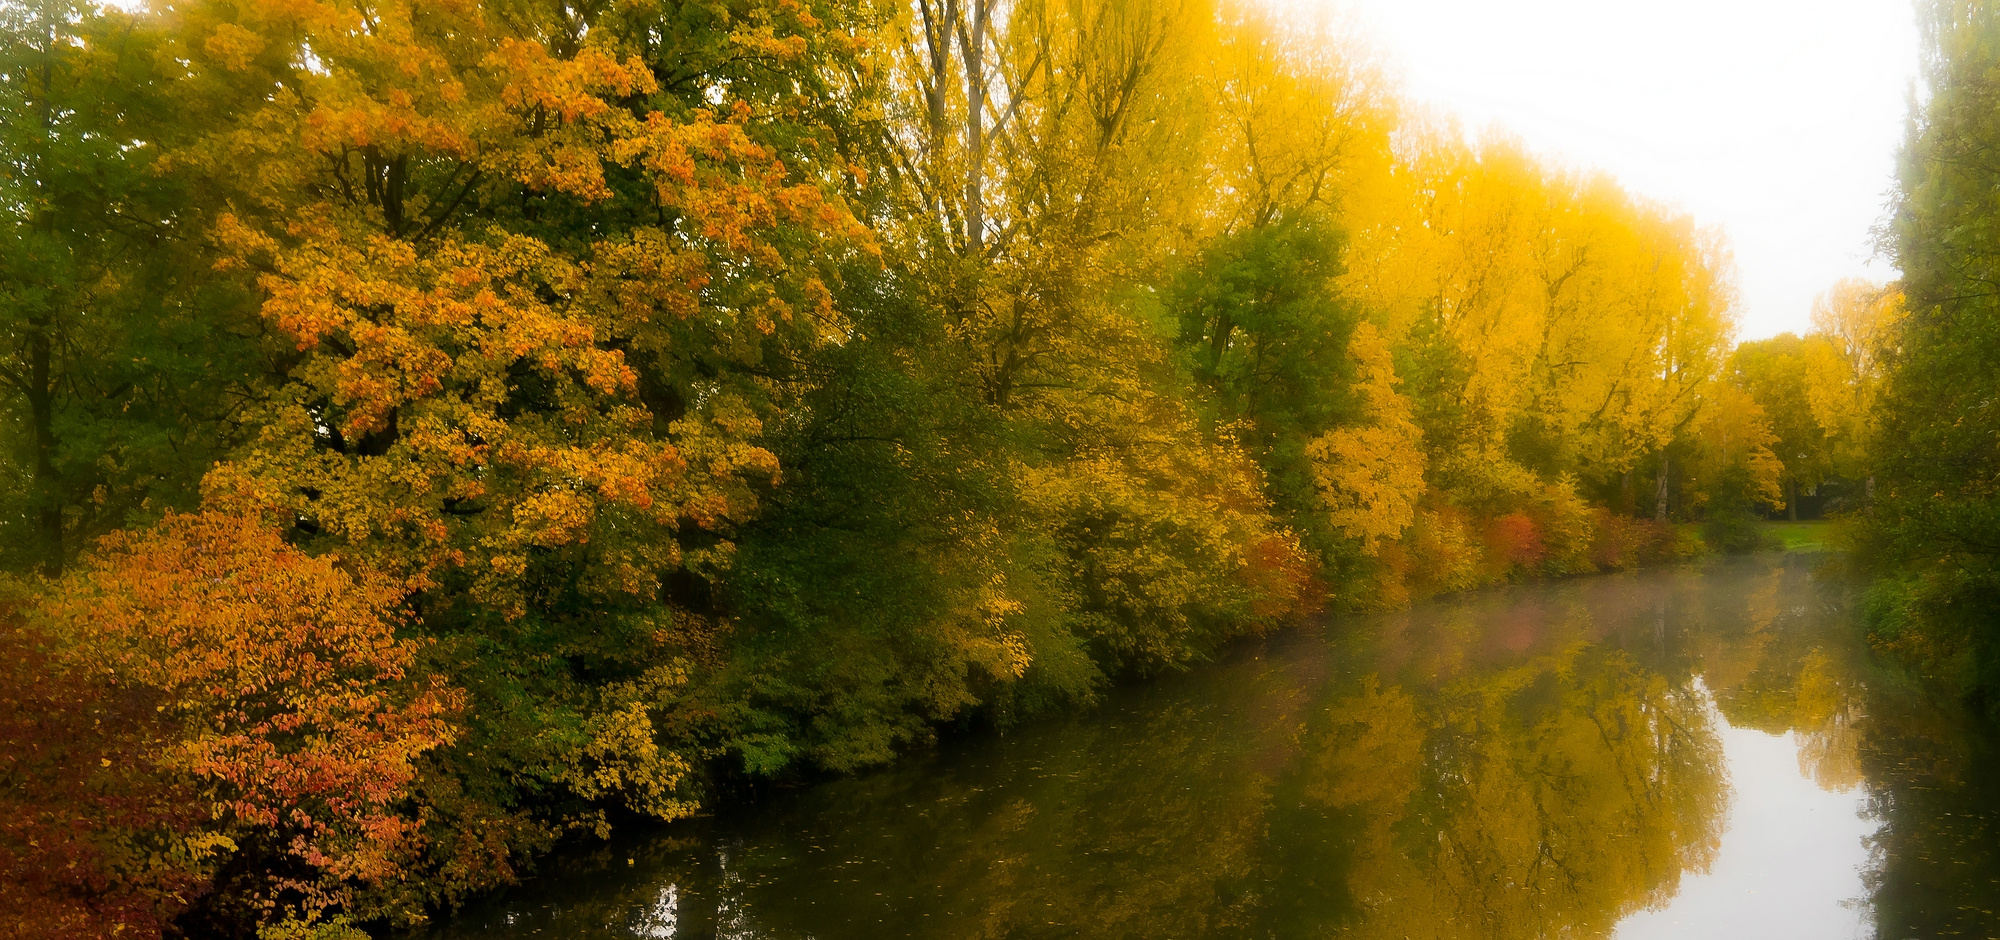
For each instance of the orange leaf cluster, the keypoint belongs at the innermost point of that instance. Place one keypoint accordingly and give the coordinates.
(468, 395)
(290, 701)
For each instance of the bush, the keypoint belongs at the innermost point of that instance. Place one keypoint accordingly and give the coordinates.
(1733, 532)
(1623, 542)
(1569, 528)
(1514, 546)
(227, 671)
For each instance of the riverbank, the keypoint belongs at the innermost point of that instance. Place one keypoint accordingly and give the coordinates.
(1815, 536)
(1656, 548)
(1384, 775)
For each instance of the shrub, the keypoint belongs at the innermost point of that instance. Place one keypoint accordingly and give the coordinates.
(282, 702)
(1514, 545)
(1568, 528)
(1732, 531)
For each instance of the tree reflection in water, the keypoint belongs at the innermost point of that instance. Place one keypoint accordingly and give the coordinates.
(1532, 762)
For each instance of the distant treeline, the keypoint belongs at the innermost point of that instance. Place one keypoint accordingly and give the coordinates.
(434, 429)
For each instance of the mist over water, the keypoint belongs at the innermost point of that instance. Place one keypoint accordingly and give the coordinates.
(1698, 751)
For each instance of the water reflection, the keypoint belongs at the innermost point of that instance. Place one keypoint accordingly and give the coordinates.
(1791, 862)
(1670, 753)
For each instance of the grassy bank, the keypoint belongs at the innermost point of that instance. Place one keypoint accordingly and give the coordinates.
(1800, 536)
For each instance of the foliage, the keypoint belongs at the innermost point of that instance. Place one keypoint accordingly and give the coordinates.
(1815, 397)
(1844, 374)
(93, 842)
(1549, 323)
(1930, 533)
(253, 734)
(124, 357)
(508, 420)
(1370, 476)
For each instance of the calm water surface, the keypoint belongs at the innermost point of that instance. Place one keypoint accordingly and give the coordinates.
(1697, 752)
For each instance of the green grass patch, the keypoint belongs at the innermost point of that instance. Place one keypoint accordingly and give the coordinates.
(1798, 536)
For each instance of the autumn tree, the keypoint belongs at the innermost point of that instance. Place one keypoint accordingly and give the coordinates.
(1800, 384)
(1734, 467)
(530, 285)
(284, 709)
(125, 359)
(1857, 321)
(1553, 323)
(1371, 476)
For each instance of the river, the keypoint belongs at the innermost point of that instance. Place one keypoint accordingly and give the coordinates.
(1705, 751)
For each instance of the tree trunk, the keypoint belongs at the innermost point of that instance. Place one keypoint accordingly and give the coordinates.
(1792, 500)
(1218, 342)
(41, 410)
(41, 376)
(1660, 490)
(938, 28)
(937, 35)
(1627, 499)
(975, 130)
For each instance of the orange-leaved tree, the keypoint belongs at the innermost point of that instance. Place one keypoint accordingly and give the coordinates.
(519, 257)
(282, 701)
(537, 278)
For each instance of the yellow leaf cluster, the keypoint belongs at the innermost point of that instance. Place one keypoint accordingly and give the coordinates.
(1370, 477)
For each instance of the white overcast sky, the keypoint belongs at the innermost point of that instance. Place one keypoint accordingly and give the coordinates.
(1776, 120)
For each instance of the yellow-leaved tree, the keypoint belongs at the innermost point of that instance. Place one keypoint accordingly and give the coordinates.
(1370, 476)
(1853, 321)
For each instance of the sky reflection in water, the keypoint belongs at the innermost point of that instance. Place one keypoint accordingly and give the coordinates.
(1700, 752)
(1791, 861)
